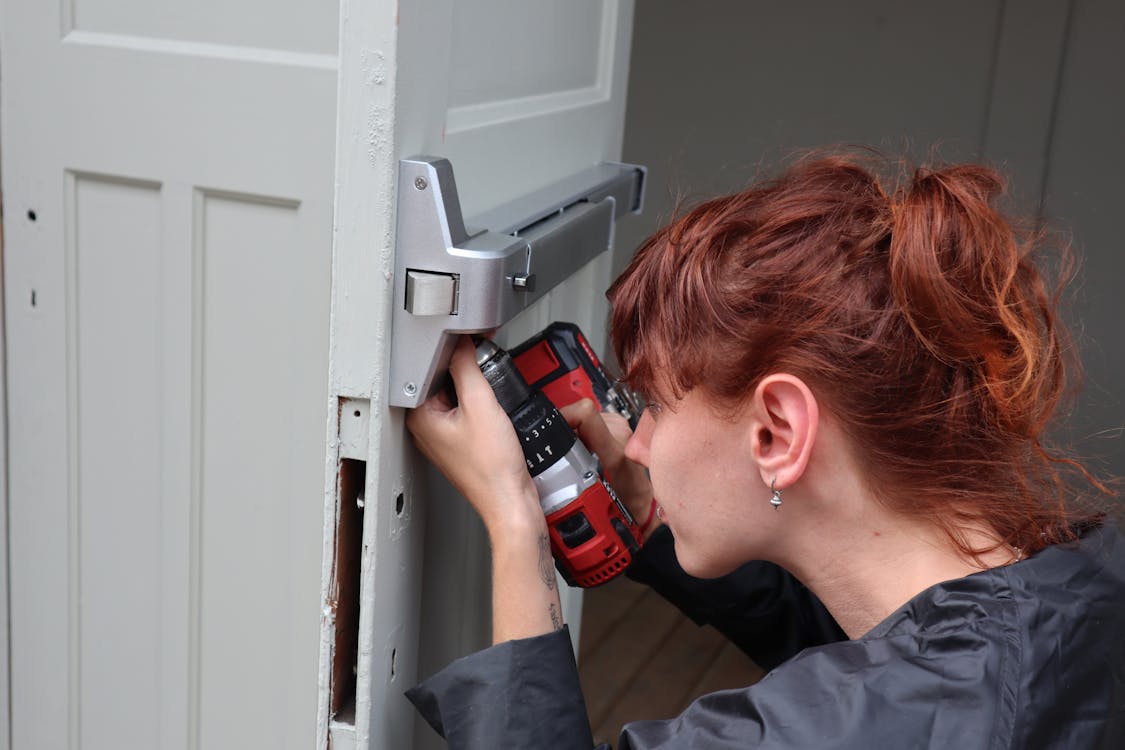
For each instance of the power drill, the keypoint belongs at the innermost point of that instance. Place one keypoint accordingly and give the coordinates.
(593, 537)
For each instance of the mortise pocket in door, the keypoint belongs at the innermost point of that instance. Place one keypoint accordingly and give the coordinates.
(345, 602)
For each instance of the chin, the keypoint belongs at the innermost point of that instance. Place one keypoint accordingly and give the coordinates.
(703, 566)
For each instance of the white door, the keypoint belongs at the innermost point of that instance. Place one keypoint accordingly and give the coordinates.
(167, 185)
(516, 94)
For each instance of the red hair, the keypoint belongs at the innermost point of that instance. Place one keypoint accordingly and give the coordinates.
(918, 318)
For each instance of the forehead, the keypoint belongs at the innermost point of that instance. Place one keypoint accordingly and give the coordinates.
(697, 412)
(664, 367)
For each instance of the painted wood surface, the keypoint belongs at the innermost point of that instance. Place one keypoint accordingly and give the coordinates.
(454, 80)
(168, 195)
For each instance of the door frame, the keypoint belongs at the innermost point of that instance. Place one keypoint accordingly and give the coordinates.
(6, 681)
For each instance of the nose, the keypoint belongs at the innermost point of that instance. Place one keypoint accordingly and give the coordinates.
(636, 450)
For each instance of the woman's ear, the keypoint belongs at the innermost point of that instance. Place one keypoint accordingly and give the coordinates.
(785, 419)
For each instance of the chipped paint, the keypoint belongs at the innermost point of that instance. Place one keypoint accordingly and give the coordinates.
(373, 66)
(379, 132)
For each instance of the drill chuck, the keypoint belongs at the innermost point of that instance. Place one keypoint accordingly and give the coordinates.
(544, 435)
(509, 386)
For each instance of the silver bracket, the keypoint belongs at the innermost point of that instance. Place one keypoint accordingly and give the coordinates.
(450, 280)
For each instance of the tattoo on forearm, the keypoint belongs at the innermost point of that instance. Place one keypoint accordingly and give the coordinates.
(546, 566)
(556, 620)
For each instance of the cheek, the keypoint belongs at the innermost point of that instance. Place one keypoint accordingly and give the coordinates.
(666, 465)
(677, 482)
(662, 488)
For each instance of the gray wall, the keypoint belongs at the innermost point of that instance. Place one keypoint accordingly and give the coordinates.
(1037, 86)
(1085, 190)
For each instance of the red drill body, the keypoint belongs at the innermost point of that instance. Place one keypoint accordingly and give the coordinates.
(592, 536)
(561, 363)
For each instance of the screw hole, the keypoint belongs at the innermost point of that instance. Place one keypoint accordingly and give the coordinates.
(33, 300)
(355, 413)
(31, 215)
(400, 501)
(394, 656)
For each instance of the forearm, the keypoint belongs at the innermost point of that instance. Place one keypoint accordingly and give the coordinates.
(522, 692)
(525, 597)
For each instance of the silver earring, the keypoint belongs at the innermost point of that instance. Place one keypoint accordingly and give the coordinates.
(775, 501)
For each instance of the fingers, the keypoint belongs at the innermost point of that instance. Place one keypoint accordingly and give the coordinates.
(463, 365)
(467, 377)
(431, 415)
(590, 424)
(439, 413)
(606, 435)
(426, 422)
(618, 426)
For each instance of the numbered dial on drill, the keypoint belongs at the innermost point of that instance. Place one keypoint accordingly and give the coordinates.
(544, 434)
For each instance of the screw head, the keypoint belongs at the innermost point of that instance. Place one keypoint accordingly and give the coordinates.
(420, 183)
(410, 389)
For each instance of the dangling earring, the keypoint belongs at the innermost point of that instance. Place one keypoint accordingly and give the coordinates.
(775, 501)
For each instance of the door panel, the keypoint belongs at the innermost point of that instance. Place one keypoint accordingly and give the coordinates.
(560, 113)
(118, 383)
(255, 518)
(168, 201)
(506, 52)
(303, 27)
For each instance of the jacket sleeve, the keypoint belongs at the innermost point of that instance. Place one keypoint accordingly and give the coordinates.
(517, 694)
(760, 607)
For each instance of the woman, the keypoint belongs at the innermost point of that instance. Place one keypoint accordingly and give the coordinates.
(854, 386)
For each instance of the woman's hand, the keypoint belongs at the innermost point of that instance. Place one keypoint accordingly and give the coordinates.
(605, 434)
(474, 445)
(476, 448)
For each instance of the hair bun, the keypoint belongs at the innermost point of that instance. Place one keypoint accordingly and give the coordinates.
(962, 277)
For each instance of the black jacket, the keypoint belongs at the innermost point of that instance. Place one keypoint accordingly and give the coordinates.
(1031, 655)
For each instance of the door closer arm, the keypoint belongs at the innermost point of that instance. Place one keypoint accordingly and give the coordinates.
(454, 277)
